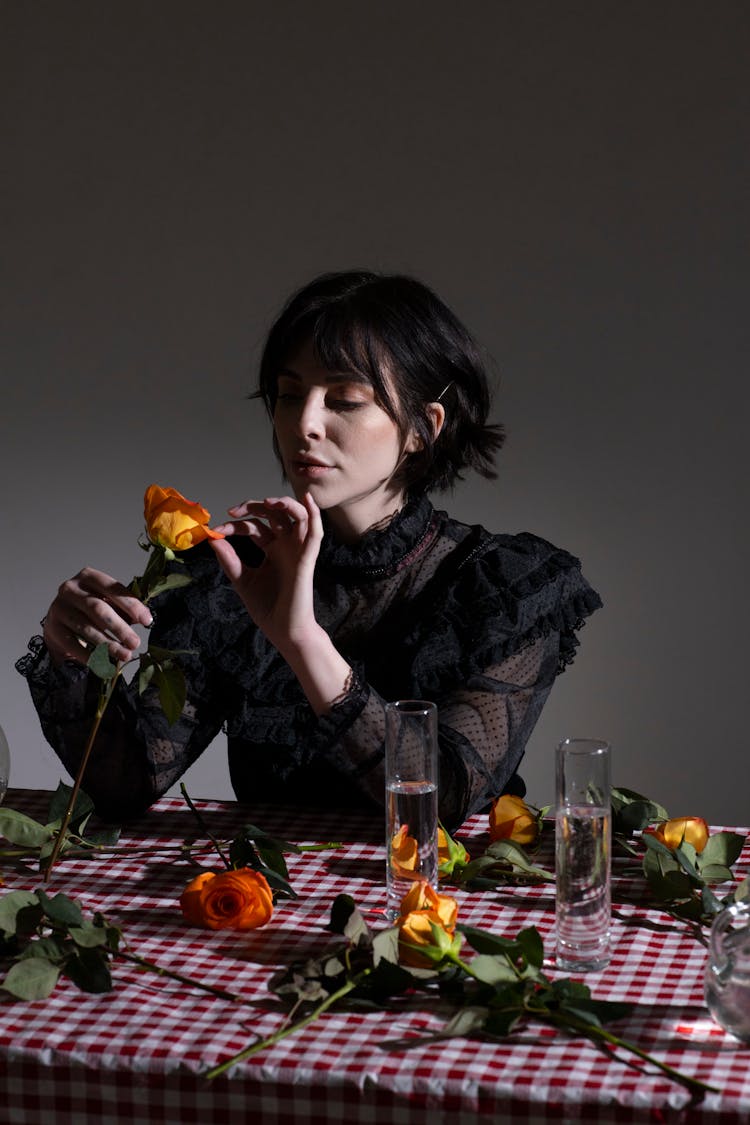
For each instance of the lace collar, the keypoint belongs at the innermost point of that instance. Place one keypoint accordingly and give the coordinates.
(382, 550)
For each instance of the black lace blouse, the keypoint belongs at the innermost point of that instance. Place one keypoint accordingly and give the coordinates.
(428, 608)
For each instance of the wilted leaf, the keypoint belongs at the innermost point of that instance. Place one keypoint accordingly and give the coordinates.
(465, 1021)
(61, 909)
(31, 979)
(21, 829)
(10, 905)
(88, 936)
(385, 946)
(89, 969)
(342, 908)
(723, 848)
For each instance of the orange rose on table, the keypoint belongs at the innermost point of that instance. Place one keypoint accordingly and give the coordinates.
(692, 829)
(512, 819)
(426, 927)
(174, 522)
(231, 900)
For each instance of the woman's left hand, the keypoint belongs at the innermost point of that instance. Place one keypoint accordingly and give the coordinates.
(278, 594)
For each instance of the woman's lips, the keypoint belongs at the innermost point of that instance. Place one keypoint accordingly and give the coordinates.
(310, 470)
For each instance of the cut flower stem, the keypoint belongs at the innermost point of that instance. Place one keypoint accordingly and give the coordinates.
(105, 695)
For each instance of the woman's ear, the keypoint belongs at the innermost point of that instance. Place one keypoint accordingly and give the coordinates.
(436, 411)
(436, 414)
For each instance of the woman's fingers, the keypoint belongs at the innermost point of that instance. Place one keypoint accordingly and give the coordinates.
(229, 560)
(265, 519)
(90, 609)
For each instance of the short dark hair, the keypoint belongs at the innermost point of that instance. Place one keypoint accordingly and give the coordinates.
(401, 337)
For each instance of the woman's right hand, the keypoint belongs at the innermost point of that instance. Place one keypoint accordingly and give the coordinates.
(92, 608)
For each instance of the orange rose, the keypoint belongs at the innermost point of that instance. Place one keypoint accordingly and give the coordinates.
(404, 853)
(512, 819)
(692, 829)
(232, 900)
(426, 927)
(174, 522)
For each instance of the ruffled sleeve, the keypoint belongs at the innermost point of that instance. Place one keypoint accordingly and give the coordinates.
(505, 593)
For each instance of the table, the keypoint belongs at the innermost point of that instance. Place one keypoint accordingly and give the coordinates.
(137, 1054)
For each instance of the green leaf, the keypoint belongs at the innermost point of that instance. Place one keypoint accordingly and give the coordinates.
(385, 946)
(465, 1021)
(485, 942)
(566, 989)
(106, 837)
(61, 909)
(387, 979)
(634, 817)
(723, 848)
(501, 1022)
(492, 969)
(532, 946)
(606, 1011)
(50, 948)
(88, 968)
(654, 846)
(88, 936)
(10, 905)
(83, 806)
(32, 979)
(272, 857)
(716, 873)
(145, 674)
(169, 582)
(742, 890)
(342, 908)
(100, 664)
(274, 880)
(711, 904)
(621, 798)
(18, 828)
(172, 691)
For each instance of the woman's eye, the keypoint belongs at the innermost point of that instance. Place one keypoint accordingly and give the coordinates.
(345, 404)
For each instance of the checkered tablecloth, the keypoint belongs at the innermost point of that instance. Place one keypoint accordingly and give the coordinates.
(139, 1053)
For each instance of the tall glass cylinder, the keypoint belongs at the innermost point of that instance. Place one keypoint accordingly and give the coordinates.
(582, 855)
(411, 776)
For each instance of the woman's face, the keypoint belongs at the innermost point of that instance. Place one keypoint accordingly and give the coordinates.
(337, 443)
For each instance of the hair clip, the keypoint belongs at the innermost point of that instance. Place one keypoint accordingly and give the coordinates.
(447, 387)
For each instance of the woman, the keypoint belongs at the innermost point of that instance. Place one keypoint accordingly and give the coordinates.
(350, 592)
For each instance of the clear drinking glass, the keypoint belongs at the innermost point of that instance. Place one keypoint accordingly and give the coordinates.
(411, 798)
(727, 981)
(582, 855)
(4, 765)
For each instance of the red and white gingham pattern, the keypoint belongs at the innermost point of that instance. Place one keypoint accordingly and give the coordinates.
(138, 1054)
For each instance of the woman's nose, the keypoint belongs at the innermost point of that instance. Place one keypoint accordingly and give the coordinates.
(310, 418)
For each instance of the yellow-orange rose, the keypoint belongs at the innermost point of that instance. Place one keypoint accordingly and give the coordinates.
(512, 819)
(426, 926)
(404, 853)
(231, 900)
(692, 829)
(174, 522)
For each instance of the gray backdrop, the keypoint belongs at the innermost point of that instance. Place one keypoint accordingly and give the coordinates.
(571, 177)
